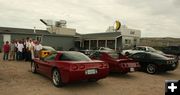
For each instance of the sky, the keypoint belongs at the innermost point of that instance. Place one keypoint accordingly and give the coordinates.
(155, 18)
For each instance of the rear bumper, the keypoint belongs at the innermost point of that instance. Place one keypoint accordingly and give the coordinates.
(73, 76)
(131, 67)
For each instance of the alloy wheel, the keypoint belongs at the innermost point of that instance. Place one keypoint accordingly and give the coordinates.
(56, 78)
(151, 68)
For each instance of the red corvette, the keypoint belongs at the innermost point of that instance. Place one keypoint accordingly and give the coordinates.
(117, 62)
(68, 66)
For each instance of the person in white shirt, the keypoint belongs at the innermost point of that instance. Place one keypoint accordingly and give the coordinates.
(27, 49)
(37, 47)
(20, 47)
(31, 48)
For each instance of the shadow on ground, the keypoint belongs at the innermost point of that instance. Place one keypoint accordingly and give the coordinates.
(124, 76)
(166, 74)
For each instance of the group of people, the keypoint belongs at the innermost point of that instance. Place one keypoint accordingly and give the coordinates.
(25, 49)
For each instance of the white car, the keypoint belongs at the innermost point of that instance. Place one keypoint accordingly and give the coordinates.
(141, 49)
(145, 49)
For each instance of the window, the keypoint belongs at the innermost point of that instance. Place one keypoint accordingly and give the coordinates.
(127, 41)
(140, 56)
(141, 48)
(39, 38)
(132, 32)
(101, 43)
(111, 44)
(86, 44)
(50, 57)
(74, 56)
(96, 55)
(113, 54)
(93, 44)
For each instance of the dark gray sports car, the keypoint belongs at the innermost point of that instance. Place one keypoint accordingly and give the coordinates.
(153, 62)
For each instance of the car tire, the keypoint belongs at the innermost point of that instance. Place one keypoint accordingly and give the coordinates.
(127, 53)
(56, 78)
(92, 80)
(33, 67)
(151, 68)
(124, 73)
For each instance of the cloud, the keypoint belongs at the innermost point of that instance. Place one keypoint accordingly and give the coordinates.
(159, 18)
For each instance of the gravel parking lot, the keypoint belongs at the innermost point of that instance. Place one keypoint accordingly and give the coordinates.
(17, 79)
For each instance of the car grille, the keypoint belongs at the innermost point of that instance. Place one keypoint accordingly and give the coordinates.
(170, 61)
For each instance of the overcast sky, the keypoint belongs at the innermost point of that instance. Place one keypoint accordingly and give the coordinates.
(155, 18)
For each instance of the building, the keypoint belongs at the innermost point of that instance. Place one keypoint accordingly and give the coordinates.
(58, 41)
(118, 40)
(62, 38)
(160, 42)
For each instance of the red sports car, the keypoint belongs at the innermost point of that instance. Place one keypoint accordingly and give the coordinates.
(117, 62)
(69, 66)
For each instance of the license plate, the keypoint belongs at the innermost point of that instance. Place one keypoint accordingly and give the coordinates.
(132, 69)
(91, 71)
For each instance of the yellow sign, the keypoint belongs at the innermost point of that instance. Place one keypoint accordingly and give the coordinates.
(117, 25)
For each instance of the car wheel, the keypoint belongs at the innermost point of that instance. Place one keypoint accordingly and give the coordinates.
(127, 53)
(151, 68)
(33, 67)
(123, 73)
(56, 78)
(92, 80)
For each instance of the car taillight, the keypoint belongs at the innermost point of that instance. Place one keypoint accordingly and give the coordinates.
(103, 65)
(82, 66)
(74, 67)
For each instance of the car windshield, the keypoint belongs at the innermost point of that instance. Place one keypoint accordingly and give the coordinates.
(113, 54)
(151, 49)
(74, 56)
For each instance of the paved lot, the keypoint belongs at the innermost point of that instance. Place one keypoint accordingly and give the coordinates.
(16, 79)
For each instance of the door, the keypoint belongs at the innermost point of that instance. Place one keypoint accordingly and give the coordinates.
(6, 37)
(46, 64)
(45, 67)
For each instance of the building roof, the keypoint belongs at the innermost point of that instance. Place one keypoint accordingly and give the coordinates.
(10, 30)
(21, 30)
(102, 35)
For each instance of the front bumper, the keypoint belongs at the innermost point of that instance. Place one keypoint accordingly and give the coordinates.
(168, 67)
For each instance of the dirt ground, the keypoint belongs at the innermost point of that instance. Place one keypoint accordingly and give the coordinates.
(16, 79)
